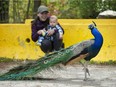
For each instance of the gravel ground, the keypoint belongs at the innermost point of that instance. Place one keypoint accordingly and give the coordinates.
(66, 76)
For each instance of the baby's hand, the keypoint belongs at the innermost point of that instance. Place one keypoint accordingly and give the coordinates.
(43, 32)
(50, 32)
(60, 36)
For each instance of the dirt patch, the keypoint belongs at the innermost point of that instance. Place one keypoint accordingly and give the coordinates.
(66, 76)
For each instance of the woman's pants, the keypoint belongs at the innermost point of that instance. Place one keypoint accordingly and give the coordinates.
(49, 46)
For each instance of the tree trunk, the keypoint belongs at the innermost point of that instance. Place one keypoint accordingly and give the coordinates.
(4, 11)
(37, 3)
(27, 13)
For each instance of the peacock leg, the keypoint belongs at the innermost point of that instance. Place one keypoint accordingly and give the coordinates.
(86, 70)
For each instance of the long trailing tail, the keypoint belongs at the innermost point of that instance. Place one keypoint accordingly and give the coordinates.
(61, 56)
(30, 69)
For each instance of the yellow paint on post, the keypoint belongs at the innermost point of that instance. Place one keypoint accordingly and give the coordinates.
(15, 39)
(15, 42)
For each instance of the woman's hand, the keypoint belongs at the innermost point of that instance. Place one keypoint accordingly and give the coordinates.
(39, 32)
(50, 32)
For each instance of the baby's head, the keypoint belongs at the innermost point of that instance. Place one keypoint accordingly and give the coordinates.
(53, 20)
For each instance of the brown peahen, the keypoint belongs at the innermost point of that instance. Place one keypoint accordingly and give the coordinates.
(84, 50)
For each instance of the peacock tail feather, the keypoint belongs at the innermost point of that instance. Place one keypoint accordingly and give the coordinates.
(47, 61)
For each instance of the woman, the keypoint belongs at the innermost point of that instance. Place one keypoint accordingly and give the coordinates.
(38, 25)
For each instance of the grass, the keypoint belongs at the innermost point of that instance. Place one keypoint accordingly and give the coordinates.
(3, 59)
(6, 60)
(110, 62)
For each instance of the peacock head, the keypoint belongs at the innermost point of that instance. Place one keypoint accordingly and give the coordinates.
(92, 26)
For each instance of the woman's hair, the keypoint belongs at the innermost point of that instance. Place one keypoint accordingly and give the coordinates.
(34, 21)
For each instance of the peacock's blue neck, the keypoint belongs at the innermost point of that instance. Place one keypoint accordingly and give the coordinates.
(98, 38)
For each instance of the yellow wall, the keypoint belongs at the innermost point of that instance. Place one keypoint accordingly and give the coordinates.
(14, 44)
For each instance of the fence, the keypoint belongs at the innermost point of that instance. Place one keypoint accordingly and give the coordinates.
(15, 41)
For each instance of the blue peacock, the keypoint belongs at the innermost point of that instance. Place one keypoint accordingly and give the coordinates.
(86, 50)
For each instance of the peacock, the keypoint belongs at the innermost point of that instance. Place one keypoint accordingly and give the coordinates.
(86, 50)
